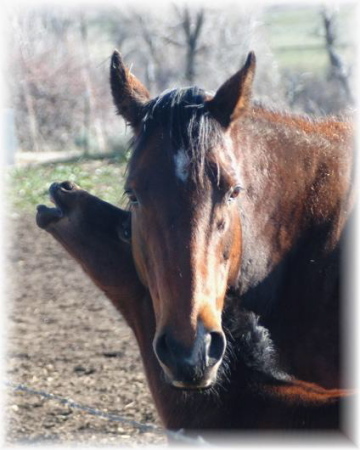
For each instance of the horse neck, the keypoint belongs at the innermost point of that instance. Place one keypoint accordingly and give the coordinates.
(295, 173)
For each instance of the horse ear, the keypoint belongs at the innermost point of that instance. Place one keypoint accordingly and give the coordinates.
(234, 96)
(128, 93)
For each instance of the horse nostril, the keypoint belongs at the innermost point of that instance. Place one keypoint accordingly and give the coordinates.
(163, 349)
(67, 186)
(216, 347)
(208, 351)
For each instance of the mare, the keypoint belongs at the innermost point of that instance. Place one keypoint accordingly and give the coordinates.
(227, 264)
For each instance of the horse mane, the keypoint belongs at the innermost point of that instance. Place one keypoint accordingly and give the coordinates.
(250, 343)
(184, 113)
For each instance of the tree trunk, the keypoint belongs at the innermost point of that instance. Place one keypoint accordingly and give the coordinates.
(338, 68)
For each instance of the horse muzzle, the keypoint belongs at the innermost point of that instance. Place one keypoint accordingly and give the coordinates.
(192, 367)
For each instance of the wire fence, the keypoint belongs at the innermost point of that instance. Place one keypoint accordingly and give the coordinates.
(173, 436)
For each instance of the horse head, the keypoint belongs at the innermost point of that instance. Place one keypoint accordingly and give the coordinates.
(183, 187)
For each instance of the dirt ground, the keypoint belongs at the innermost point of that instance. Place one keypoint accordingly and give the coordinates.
(65, 338)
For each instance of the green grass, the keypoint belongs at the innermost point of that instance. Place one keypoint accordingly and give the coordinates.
(28, 186)
(295, 35)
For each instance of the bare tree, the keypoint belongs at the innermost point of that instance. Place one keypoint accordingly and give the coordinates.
(91, 119)
(156, 73)
(19, 29)
(338, 69)
(58, 68)
(192, 31)
(191, 25)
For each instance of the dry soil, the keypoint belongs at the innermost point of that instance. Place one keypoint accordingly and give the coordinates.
(65, 338)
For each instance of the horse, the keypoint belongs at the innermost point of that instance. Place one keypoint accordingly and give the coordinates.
(258, 394)
(227, 264)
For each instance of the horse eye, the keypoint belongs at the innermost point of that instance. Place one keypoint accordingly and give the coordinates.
(235, 191)
(132, 197)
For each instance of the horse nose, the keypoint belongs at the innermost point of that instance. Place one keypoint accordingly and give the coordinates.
(191, 367)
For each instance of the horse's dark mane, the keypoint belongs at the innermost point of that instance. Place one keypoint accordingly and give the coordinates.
(250, 343)
(184, 113)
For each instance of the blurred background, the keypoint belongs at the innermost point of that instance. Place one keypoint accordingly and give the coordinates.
(62, 334)
(59, 104)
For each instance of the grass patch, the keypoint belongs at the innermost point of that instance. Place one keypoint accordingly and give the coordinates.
(296, 36)
(29, 186)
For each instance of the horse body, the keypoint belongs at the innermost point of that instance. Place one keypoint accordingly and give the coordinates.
(238, 217)
(298, 177)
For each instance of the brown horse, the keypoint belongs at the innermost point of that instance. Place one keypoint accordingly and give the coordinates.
(238, 216)
(256, 392)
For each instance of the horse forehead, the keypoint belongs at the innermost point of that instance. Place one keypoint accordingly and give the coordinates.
(181, 164)
(157, 161)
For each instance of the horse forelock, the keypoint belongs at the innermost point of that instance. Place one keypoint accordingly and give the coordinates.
(182, 114)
